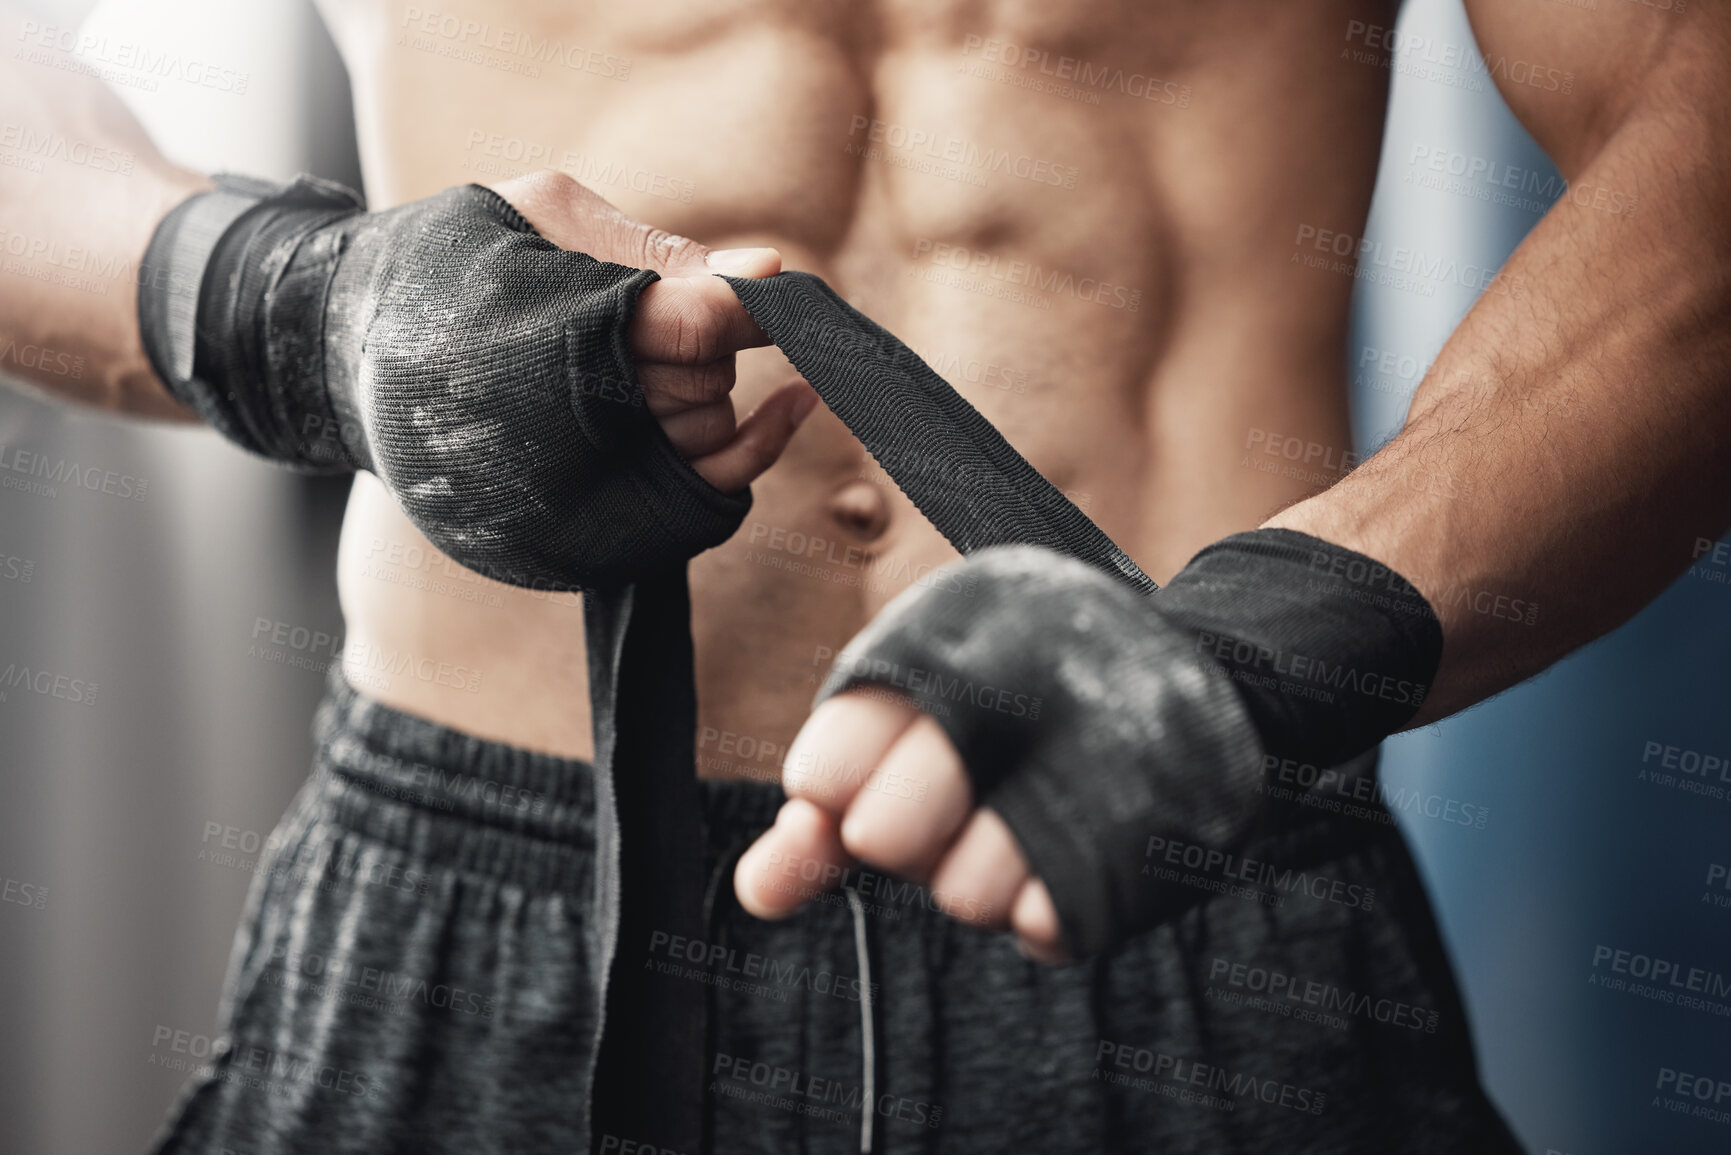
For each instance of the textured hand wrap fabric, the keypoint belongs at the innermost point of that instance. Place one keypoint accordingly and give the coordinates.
(294, 361)
(1332, 651)
(1084, 720)
(1082, 707)
(953, 463)
(483, 374)
(479, 370)
(1093, 719)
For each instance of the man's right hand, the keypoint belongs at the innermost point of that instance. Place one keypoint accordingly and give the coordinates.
(544, 406)
(687, 327)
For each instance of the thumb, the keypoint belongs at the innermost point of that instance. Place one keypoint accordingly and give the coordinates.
(575, 217)
(673, 255)
(676, 256)
(743, 262)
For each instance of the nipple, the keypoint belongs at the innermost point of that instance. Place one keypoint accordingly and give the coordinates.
(862, 509)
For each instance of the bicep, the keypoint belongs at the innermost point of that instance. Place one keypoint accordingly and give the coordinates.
(1576, 75)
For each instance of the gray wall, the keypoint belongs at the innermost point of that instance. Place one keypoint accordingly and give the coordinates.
(105, 806)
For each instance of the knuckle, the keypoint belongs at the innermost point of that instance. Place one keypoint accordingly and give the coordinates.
(964, 905)
(698, 331)
(714, 381)
(864, 843)
(715, 425)
(804, 782)
(675, 333)
(663, 250)
(703, 384)
(648, 244)
(1033, 923)
(552, 185)
(680, 250)
(873, 843)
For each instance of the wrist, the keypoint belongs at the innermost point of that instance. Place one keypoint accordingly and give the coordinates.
(1082, 719)
(231, 315)
(1330, 650)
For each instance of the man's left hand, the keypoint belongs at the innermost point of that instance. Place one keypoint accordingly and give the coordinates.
(909, 811)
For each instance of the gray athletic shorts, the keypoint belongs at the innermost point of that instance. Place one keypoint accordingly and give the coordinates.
(416, 973)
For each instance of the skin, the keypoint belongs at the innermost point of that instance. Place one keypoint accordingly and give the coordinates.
(751, 108)
(685, 332)
(684, 335)
(1587, 414)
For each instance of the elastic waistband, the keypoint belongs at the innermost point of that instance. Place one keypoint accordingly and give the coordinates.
(471, 804)
(451, 798)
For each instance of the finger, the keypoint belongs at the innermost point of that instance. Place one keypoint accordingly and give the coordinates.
(759, 439)
(700, 431)
(670, 388)
(840, 745)
(575, 217)
(984, 871)
(912, 806)
(690, 320)
(1035, 920)
(763, 262)
(800, 856)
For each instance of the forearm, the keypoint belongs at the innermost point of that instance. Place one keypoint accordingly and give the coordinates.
(1572, 442)
(79, 200)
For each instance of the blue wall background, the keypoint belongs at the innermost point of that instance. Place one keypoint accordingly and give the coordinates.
(1578, 852)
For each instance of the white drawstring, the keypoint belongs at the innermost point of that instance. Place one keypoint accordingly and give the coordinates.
(868, 1048)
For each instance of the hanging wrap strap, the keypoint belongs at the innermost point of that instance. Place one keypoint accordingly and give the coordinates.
(957, 468)
(976, 490)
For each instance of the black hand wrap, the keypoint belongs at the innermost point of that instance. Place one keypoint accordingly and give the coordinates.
(1093, 719)
(479, 370)
(1331, 651)
(958, 470)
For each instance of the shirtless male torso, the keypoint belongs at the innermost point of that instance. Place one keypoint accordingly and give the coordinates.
(1037, 201)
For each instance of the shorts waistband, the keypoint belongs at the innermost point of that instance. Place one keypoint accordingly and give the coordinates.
(451, 798)
(470, 803)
